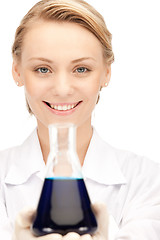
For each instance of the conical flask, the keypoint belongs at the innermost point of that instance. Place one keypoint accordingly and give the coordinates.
(64, 204)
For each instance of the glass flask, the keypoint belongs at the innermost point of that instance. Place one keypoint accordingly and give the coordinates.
(64, 205)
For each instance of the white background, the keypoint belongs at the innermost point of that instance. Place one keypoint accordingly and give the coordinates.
(128, 114)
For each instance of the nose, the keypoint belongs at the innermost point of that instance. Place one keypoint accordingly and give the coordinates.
(63, 85)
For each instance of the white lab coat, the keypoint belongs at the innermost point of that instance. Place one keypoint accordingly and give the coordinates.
(127, 183)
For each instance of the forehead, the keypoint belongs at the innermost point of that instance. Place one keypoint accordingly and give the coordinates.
(49, 38)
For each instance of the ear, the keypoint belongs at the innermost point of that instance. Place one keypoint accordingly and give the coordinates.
(16, 73)
(107, 75)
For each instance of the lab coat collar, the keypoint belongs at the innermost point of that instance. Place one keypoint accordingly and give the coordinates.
(26, 160)
(100, 165)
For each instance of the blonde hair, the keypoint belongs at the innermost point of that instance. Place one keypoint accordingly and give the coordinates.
(77, 11)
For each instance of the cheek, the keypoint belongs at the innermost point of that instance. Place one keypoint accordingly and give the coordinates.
(93, 88)
(33, 87)
(92, 93)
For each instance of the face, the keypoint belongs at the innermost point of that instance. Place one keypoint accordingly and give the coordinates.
(62, 70)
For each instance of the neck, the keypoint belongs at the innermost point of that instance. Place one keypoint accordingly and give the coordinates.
(84, 134)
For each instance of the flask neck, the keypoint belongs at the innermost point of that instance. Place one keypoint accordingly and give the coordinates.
(63, 160)
(64, 139)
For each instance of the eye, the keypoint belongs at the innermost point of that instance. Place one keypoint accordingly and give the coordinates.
(82, 69)
(43, 70)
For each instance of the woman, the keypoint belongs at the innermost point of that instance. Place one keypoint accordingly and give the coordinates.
(62, 55)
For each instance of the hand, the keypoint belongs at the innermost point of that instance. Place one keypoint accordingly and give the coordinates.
(102, 219)
(24, 220)
(22, 227)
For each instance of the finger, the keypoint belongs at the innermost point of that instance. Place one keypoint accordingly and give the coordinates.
(25, 217)
(101, 214)
(23, 234)
(71, 236)
(86, 237)
(26, 234)
(53, 236)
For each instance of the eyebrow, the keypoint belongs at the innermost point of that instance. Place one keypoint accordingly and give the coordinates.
(41, 59)
(82, 59)
(74, 61)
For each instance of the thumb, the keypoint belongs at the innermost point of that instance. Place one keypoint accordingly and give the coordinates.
(22, 225)
(102, 217)
(25, 217)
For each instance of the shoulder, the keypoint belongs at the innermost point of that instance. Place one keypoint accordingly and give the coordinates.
(136, 167)
(13, 157)
(130, 164)
(141, 176)
(6, 157)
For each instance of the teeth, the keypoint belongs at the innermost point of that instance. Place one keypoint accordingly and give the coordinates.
(60, 108)
(63, 108)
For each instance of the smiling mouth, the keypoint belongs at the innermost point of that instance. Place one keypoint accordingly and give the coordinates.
(63, 106)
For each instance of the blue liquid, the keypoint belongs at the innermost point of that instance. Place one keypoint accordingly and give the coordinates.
(64, 206)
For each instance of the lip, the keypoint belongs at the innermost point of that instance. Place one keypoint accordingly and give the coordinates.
(61, 112)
